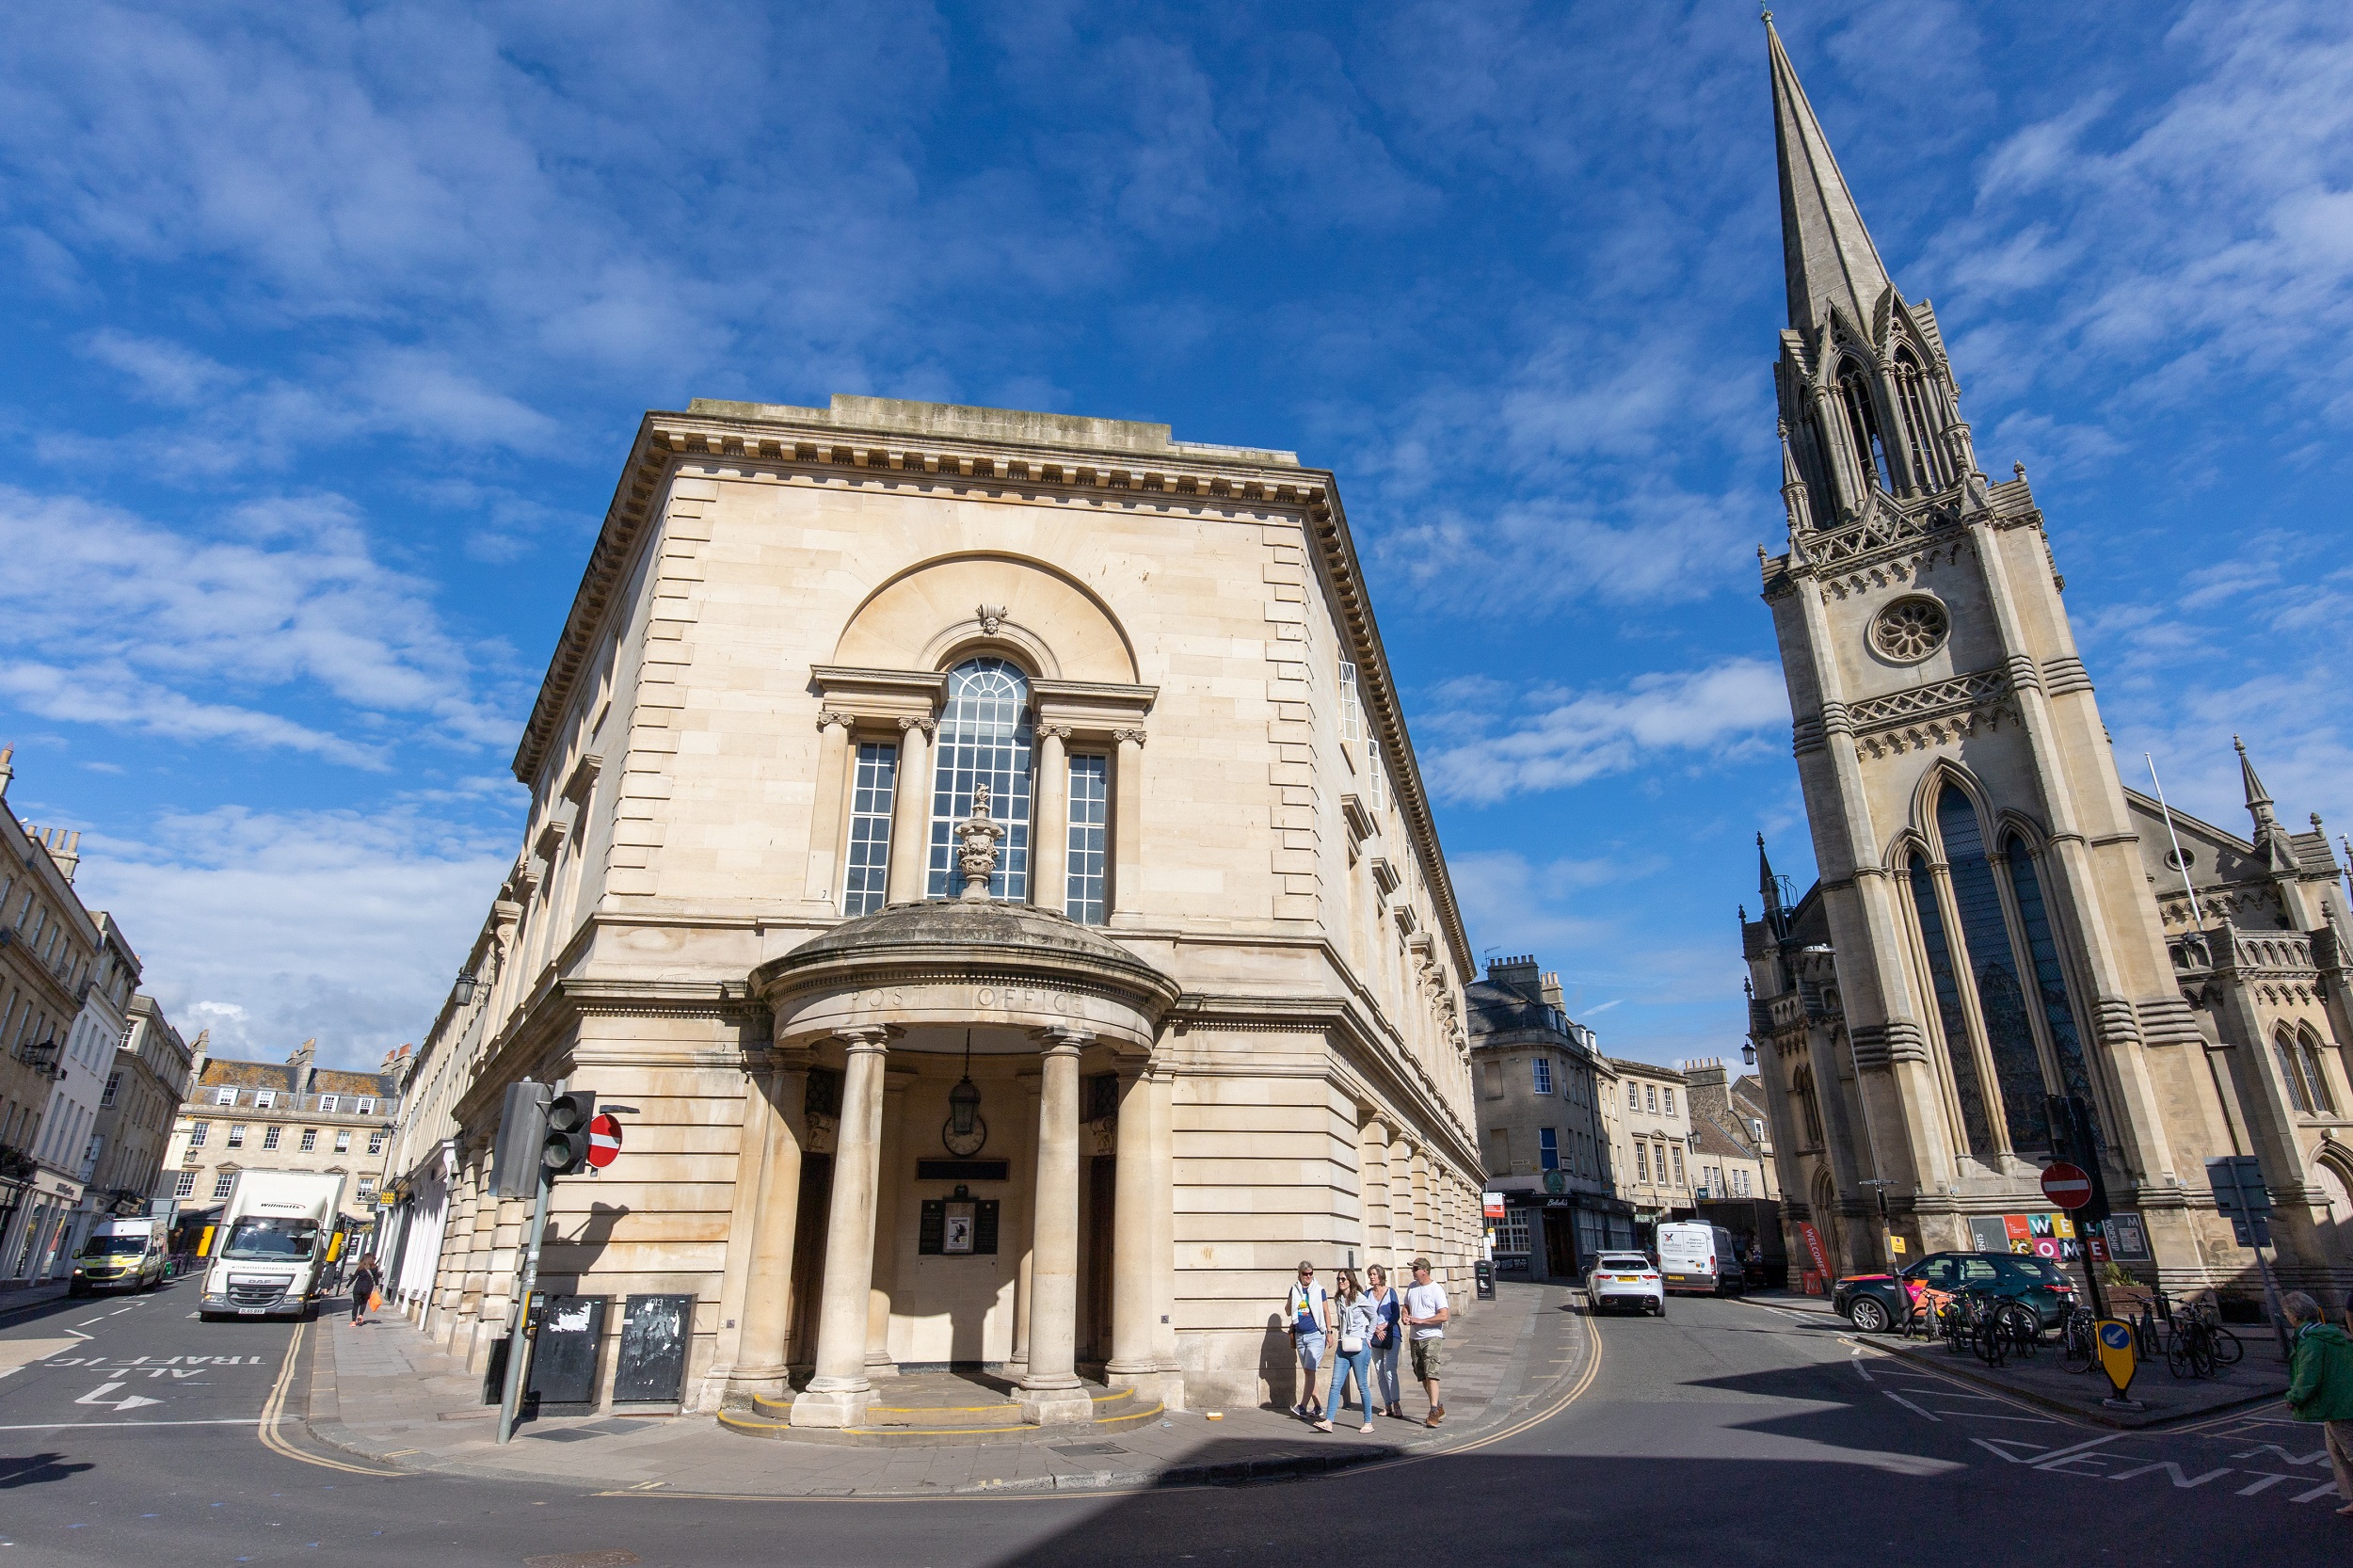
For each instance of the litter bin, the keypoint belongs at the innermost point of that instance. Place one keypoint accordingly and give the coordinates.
(1484, 1275)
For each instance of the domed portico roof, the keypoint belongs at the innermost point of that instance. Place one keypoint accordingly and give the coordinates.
(955, 962)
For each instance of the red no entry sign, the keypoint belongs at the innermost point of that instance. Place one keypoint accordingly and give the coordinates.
(605, 1141)
(2063, 1184)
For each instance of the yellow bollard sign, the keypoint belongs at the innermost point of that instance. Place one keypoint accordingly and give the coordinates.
(2114, 1338)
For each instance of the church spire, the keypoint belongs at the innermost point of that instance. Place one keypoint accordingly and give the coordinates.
(1767, 884)
(2257, 799)
(1825, 248)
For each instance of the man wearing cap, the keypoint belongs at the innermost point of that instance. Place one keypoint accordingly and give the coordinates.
(1308, 1312)
(1426, 1314)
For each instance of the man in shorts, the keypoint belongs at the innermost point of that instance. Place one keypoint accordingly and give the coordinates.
(1426, 1315)
(1307, 1310)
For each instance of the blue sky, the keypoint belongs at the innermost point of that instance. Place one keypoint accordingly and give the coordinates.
(326, 330)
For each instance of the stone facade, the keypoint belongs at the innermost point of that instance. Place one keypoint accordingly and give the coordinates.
(1647, 1112)
(290, 1115)
(149, 1076)
(1995, 920)
(1541, 1082)
(1209, 996)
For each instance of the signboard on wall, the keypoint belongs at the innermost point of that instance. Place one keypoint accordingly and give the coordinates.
(2050, 1235)
(2128, 1239)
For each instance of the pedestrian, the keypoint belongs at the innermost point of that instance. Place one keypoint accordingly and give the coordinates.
(1352, 1325)
(1388, 1339)
(2320, 1385)
(1308, 1308)
(364, 1282)
(1425, 1315)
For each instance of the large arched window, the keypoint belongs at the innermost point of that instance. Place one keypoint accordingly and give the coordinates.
(2050, 979)
(1862, 424)
(1957, 1050)
(984, 736)
(1994, 964)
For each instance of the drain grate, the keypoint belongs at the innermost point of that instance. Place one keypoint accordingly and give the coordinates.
(569, 1435)
(1088, 1450)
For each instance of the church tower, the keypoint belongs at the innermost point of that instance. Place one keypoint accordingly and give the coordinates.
(1984, 933)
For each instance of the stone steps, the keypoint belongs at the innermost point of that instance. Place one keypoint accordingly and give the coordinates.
(929, 1424)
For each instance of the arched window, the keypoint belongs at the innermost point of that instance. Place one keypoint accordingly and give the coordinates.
(2291, 1070)
(1912, 399)
(1863, 422)
(984, 736)
(2316, 1069)
(1994, 964)
(1809, 1108)
(2050, 979)
(1958, 1049)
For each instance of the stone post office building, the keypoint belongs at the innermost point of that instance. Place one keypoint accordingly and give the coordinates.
(986, 850)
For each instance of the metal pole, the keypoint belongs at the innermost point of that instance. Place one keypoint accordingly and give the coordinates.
(2180, 860)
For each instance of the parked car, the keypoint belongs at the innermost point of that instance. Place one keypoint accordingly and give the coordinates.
(1626, 1279)
(1877, 1302)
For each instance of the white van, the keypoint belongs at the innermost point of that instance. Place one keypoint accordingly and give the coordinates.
(120, 1254)
(1698, 1256)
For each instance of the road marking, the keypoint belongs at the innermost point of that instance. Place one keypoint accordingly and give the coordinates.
(273, 1411)
(1908, 1405)
(77, 1426)
(129, 1401)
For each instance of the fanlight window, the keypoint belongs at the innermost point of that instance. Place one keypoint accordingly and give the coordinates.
(984, 737)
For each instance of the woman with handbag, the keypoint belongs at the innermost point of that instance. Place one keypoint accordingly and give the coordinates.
(1388, 1307)
(365, 1282)
(1352, 1324)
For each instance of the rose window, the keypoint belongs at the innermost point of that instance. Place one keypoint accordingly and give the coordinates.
(1910, 629)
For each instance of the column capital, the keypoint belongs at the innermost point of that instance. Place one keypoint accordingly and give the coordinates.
(913, 721)
(871, 1040)
(1128, 737)
(828, 717)
(1054, 732)
(1063, 1039)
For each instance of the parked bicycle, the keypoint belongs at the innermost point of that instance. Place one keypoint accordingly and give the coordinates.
(2078, 1341)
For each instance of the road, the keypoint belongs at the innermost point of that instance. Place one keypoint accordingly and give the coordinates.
(1727, 1433)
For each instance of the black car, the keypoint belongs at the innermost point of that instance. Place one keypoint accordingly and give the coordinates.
(1874, 1302)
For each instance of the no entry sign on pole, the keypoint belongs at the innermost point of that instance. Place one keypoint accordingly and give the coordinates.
(604, 1142)
(2063, 1184)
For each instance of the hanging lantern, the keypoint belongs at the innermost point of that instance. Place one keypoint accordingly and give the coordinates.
(964, 1132)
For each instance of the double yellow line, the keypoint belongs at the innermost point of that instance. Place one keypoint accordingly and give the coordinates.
(274, 1409)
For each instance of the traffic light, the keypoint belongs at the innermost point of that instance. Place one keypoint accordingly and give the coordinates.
(522, 1129)
(565, 1150)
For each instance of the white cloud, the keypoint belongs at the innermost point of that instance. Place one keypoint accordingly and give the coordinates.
(1706, 716)
(269, 928)
(115, 621)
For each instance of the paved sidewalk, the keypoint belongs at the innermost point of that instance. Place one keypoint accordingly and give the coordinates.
(16, 1296)
(384, 1392)
(2258, 1379)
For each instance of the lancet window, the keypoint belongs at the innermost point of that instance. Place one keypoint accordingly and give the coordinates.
(1863, 425)
(2002, 999)
(1958, 1052)
(1912, 399)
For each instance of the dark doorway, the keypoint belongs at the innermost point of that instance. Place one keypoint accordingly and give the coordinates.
(1095, 1286)
(808, 1256)
(1559, 1243)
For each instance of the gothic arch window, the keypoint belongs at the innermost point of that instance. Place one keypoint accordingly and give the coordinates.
(2050, 978)
(1959, 1052)
(984, 737)
(2316, 1071)
(2292, 1072)
(1863, 424)
(1912, 399)
(1809, 1108)
(1993, 963)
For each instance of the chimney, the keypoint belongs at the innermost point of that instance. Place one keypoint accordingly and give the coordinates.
(1514, 974)
(1552, 990)
(7, 768)
(300, 1062)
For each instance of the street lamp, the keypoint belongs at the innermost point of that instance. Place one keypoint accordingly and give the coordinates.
(462, 992)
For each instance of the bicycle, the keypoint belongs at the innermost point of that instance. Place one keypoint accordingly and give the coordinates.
(2078, 1342)
(2224, 1344)
(2189, 1348)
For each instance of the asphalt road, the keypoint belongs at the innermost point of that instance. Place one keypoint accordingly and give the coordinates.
(1725, 1434)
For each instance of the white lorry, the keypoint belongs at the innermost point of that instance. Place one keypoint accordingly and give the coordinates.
(271, 1250)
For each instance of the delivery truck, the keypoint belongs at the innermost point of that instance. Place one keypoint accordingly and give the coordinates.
(270, 1252)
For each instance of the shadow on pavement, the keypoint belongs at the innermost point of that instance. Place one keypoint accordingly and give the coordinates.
(32, 1469)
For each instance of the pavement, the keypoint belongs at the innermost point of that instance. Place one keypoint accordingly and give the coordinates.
(2260, 1378)
(383, 1392)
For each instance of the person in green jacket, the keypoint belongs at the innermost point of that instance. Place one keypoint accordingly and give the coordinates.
(2320, 1383)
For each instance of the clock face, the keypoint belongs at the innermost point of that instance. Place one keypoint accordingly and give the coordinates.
(970, 1144)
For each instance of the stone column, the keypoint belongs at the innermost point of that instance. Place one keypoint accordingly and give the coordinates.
(1372, 1185)
(1051, 1391)
(824, 816)
(839, 1394)
(1050, 840)
(761, 1359)
(1024, 1290)
(1127, 826)
(878, 1362)
(911, 814)
(1134, 1301)
(1163, 1215)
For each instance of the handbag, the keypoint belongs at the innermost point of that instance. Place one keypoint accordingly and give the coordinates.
(376, 1300)
(1352, 1343)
